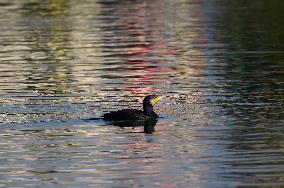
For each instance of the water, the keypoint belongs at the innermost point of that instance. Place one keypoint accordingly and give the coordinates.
(218, 64)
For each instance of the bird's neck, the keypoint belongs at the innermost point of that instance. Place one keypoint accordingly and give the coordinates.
(150, 112)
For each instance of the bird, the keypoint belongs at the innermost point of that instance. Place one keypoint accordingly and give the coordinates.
(133, 114)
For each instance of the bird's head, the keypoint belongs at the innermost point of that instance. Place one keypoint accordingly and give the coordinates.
(150, 100)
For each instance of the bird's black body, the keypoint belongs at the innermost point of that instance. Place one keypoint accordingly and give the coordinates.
(125, 114)
(133, 114)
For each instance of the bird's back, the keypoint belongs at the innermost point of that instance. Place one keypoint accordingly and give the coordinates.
(125, 114)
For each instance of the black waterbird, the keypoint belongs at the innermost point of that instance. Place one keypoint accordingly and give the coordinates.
(133, 114)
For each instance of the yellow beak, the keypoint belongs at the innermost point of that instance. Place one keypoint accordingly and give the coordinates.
(155, 100)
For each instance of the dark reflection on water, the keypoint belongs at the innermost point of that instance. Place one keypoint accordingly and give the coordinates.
(148, 125)
(218, 64)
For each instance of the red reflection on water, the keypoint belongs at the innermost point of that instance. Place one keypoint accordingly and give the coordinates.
(145, 60)
(167, 184)
(158, 48)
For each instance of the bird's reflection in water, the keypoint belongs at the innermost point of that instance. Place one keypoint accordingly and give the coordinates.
(149, 125)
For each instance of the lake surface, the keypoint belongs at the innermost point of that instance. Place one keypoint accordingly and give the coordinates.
(219, 66)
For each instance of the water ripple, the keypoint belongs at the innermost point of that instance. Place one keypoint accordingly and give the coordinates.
(218, 66)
